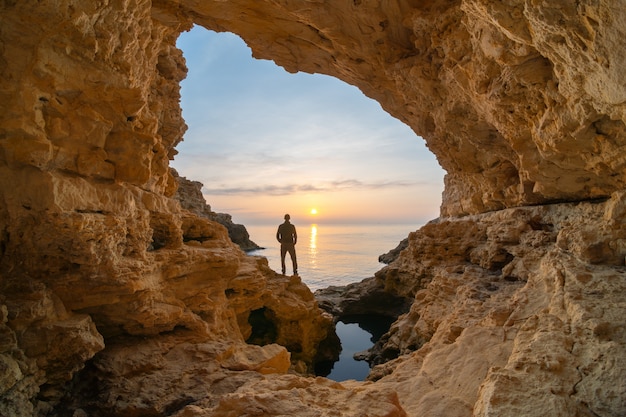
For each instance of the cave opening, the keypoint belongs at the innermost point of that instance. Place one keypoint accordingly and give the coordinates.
(265, 142)
(264, 330)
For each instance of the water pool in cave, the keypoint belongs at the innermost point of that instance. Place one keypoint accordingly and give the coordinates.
(356, 333)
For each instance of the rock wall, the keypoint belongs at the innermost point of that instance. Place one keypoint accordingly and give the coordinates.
(516, 312)
(116, 301)
(100, 268)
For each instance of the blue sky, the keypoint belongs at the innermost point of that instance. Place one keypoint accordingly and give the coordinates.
(265, 142)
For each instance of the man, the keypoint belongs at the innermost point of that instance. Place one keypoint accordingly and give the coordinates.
(287, 236)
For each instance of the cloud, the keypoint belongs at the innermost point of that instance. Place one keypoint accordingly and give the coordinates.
(290, 189)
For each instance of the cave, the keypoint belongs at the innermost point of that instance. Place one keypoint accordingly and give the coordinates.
(264, 329)
(523, 105)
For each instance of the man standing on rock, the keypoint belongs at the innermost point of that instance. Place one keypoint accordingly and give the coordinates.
(287, 236)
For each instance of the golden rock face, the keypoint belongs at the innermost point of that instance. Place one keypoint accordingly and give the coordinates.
(517, 309)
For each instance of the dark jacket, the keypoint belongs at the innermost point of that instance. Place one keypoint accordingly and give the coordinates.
(286, 234)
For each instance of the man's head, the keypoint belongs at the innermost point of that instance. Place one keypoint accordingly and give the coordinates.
(287, 217)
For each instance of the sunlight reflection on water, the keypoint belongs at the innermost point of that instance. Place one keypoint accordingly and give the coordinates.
(334, 254)
(313, 246)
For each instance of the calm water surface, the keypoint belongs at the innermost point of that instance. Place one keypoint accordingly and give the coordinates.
(353, 340)
(332, 254)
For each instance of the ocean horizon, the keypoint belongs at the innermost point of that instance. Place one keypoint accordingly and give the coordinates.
(332, 254)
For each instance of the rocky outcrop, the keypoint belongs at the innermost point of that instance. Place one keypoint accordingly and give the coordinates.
(368, 297)
(393, 254)
(189, 194)
(106, 282)
(521, 306)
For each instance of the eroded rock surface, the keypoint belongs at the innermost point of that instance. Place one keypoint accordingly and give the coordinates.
(107, 283)
(523, 311)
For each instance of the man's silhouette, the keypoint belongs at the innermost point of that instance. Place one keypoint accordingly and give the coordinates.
(287, 236)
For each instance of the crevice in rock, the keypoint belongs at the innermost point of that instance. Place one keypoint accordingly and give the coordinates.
(536, 224)
(594, 200)
(327, 354)
(264, 329)
(4, 240)
(158, 242)
(165, 232)
(87, 211)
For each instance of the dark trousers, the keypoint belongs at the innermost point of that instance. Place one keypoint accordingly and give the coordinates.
(292, 252)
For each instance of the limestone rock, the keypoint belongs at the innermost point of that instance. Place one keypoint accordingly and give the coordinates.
(292, 396)
(531, 321)
(368, 297)
(153, 376)
(393, 254)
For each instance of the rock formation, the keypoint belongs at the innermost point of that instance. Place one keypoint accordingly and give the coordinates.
(393, 254)
(189, 194)
(114, 300)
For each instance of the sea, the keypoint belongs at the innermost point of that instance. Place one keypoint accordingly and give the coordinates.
(333, 254)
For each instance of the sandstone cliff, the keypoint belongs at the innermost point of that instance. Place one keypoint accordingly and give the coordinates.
(116, 301)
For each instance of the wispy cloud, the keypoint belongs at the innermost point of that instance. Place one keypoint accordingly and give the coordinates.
(289, 189)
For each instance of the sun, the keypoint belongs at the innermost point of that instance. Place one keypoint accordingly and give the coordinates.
(313, 211)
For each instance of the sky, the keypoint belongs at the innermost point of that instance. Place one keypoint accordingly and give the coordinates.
(265, 142)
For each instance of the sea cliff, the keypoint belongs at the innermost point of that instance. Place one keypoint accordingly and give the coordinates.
(115, 300)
